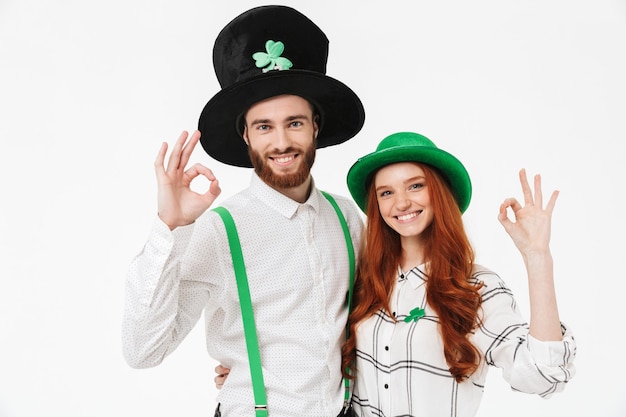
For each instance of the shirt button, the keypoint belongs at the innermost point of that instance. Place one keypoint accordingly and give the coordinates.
(386, 386)
(386, 347)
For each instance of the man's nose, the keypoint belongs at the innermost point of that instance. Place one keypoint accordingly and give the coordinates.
(282, 139)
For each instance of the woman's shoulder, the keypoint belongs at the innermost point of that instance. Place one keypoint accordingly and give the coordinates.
(482, 271)
(484, 275)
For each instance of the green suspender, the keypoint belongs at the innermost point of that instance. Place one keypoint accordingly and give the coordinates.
(346, 232)
(258, 385)
(252, 344)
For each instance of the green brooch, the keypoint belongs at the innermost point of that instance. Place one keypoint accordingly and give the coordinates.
(414, 315)
(271, 59)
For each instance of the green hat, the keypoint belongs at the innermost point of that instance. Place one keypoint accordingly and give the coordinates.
(409, 147)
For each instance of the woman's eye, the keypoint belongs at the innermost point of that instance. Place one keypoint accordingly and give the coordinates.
(416, 186)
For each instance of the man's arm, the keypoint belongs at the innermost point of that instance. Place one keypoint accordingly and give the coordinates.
(162, 304)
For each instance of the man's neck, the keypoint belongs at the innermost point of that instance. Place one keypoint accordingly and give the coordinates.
(300, 193)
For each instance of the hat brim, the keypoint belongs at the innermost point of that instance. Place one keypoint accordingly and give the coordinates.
(360, 174)
(341, 111)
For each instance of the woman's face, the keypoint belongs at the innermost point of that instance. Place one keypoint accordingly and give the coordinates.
(403, 198)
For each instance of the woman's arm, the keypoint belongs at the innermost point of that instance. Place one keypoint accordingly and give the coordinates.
(531, 234)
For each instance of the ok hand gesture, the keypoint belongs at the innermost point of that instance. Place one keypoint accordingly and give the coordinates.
(531, 234)
(178, 205)
(531, 230)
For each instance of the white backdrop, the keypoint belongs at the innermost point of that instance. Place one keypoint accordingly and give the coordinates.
(88, 90)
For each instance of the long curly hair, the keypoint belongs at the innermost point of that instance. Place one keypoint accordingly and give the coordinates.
(449, 291)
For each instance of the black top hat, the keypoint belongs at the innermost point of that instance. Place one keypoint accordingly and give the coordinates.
(265, 52)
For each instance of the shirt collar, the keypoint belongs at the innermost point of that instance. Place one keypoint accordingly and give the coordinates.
(280, 202)
(416, 276)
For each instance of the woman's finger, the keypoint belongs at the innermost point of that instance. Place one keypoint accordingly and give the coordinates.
(526, 191)
(538, 193)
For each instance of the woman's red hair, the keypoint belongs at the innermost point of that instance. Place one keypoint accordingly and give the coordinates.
(449, 292)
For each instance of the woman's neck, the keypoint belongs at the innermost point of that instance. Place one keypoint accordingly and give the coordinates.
(412, 254)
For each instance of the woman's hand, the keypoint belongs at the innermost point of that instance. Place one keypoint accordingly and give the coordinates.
(222, 374)
(531, 229)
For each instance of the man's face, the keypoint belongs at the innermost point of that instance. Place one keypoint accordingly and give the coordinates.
(280, 133)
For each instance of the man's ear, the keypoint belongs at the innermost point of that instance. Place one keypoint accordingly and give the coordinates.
(316, 124)
(245, 135)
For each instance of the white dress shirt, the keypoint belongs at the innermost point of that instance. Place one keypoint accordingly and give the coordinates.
(401, 369)
(297, 265)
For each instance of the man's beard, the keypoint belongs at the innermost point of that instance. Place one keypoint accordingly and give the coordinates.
(282, 181)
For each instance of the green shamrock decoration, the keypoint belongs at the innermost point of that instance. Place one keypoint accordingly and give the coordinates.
(271, 59)
(414, 315)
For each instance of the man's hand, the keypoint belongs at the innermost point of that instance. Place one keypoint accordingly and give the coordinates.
(178, 205)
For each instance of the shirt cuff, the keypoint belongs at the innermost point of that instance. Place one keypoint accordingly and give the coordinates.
(174, 241)
(553, 353)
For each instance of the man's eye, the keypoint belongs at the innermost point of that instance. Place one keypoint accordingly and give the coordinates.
(296, 124)
(263, 127)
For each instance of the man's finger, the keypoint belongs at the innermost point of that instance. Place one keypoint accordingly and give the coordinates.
(174, 161)
(188, 149)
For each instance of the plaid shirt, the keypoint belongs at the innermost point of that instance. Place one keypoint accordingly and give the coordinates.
(401, 369)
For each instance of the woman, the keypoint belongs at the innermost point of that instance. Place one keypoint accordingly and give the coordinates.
(427, 321)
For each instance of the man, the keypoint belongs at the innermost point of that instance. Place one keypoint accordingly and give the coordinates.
(271, 114)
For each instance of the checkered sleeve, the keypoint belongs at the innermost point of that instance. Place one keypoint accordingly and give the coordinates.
(527, 364)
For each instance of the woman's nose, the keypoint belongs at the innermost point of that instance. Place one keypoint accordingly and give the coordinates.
(402, 201)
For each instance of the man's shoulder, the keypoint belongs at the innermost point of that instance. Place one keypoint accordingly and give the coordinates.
(345, 203)
(236, 201)
(350, 211)
(234, 204)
